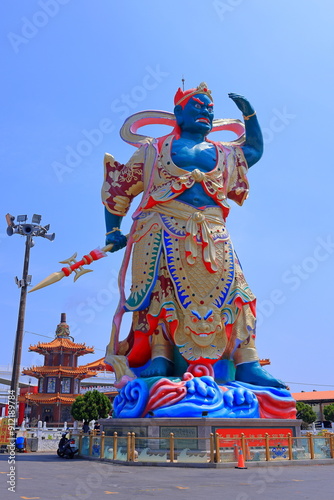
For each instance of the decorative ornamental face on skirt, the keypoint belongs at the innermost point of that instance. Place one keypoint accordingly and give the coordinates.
(202, 334)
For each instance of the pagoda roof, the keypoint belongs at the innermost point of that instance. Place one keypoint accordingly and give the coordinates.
(48, 398)
(79, 372)
(111, 393)
(98, 365)
(61, 342)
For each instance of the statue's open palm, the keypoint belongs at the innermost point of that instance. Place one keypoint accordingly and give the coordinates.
(245, 107)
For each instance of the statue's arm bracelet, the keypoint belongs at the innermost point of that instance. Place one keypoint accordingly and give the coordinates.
(114, 229)
(249, 116)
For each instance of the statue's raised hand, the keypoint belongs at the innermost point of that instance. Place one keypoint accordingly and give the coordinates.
(117, 239)
(245, 107)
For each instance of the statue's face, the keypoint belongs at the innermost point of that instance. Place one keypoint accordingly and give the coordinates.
(196, 116)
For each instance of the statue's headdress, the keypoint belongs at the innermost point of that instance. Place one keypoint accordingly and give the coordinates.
(129, 130)
(182, 96)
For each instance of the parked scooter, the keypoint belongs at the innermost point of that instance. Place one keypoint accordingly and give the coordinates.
(66, 446)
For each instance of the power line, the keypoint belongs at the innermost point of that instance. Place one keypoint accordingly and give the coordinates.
(316, 385)
(48, 337)
(39, 334)
(96, 349)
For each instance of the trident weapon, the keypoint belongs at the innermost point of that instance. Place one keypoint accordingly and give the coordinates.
(74, 265)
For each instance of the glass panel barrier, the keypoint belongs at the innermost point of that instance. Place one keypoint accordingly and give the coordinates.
(122, 446)
(109, 447)
(76, 439)
(279, 448)
(321, 447)
(229, 449)
(85, 446)
(151, 449)
(300, 448)
(96, 446)
(255, 449)
(198, 450)
(190, 450)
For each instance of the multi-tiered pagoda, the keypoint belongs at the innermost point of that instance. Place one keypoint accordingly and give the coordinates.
(59, 378)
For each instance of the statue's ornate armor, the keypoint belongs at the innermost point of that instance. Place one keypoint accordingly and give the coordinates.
(187, 282)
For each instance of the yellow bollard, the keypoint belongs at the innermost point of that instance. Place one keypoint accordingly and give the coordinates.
(212, 448)
(243, 444)
(290, 446)
(267, 447)
(128, 447)
(115, 444)
(311, 444)
(133, 446)
(217, 448)
(102, 444)
(171, 447)
(331, 445)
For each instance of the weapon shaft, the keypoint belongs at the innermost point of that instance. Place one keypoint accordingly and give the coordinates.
(76, 266)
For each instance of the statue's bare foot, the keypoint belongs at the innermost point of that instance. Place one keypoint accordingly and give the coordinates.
(158, 367)
(253, 373)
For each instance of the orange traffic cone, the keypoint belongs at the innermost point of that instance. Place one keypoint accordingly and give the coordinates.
(241, 461)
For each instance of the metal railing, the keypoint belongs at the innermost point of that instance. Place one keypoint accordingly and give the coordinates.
(214, 449)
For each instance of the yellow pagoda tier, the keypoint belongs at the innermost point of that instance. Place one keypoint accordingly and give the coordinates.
(59, 378)
(63, 371)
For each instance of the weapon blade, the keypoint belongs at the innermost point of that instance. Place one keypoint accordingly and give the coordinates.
(70, 260)
(80, 273)
(52, 278)
(74, 266)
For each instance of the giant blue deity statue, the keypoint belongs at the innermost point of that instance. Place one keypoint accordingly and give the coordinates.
(191, 348)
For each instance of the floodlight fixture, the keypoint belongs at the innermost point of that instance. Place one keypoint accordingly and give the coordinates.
(22, 218)
(36, 219)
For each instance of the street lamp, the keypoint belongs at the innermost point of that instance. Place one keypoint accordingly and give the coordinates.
(29, 230)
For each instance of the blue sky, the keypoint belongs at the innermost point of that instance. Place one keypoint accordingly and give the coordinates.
(73, 70)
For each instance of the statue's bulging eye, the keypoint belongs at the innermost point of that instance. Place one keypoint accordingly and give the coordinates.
(210, 320)
(194, 319)
(198, 106)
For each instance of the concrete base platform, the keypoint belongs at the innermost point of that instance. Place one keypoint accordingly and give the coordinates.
(198, 427)
(225, 465)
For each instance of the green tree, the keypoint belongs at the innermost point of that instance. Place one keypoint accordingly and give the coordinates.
(305, 413)
(91, 406)
(329, 412)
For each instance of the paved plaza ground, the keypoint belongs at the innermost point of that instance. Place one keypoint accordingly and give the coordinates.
(46, 477)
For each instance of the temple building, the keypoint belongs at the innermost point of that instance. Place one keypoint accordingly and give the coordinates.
(59, 379)
(318, 400)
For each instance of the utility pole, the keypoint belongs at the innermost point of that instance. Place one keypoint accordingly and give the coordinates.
(14, 386)
(29, 230)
